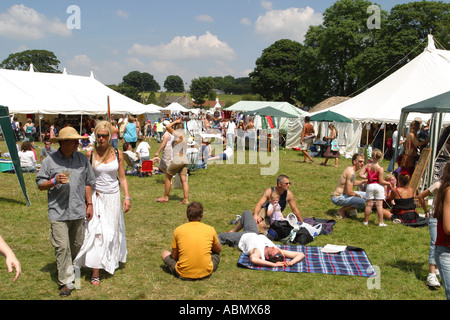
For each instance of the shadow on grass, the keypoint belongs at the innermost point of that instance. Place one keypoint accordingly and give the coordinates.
(408, 266)
(12, 201)
(85, 272)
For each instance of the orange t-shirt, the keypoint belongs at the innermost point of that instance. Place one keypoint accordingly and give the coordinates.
(194, 241)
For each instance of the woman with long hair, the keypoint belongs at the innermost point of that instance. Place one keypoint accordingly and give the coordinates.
(411, 145)
(404, 209)
(330, 153)
(179, 163)
(105, 244)
(442, 214)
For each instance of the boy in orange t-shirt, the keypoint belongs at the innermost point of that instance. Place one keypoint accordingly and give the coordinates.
(195, 247)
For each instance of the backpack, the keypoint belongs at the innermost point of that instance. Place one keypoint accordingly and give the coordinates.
(278, 230)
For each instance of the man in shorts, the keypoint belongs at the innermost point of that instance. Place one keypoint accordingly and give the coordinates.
(344, 196)
(306, 139)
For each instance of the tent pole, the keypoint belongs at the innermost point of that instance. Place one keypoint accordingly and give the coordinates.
(81, 124)
(384, 137)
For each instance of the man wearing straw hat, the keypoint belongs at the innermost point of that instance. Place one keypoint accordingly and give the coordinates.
(67, 177)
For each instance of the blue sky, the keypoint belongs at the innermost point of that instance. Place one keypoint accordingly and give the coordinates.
(173, 37)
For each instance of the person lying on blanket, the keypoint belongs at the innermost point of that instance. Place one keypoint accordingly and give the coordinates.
(261, 251)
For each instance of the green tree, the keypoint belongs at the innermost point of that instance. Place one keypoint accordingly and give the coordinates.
(129, 91)
(343, 56)
(42, 60)
(200, 88)
(406, 30)
(174, 84)
(275, 76)
(141, 81)
(152, 98)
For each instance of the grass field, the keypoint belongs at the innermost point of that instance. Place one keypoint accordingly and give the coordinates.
(400, 253)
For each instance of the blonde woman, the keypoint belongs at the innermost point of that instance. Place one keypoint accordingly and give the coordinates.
(105, 243)
(330, 153)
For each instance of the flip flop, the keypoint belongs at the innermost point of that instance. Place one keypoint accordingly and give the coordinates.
(161, 200)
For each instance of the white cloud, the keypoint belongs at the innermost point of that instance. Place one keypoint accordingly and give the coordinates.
(187, 47)
(21, 22)
(204, 18)
(267, 5)
(245, 22)
(79, 61)
(121, 13)
(292, 23)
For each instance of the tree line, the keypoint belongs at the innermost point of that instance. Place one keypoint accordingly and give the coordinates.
(340, 57)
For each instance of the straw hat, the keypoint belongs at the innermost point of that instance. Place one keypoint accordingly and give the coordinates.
(68, 133)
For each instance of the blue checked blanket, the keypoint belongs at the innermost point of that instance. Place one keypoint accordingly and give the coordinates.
(351, 262)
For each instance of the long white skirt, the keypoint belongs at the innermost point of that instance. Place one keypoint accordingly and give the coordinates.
(104, 244)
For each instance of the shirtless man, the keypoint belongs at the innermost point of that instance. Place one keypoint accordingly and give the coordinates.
(305, 140)
(344, 196)
(286, 197)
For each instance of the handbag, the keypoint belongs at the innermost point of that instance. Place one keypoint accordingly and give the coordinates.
(334, 145)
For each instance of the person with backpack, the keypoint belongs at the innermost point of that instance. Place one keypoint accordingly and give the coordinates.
(333, 148)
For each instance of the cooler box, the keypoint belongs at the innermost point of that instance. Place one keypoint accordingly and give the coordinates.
(5, 165)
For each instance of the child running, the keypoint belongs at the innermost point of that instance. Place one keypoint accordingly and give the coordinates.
(374, 174)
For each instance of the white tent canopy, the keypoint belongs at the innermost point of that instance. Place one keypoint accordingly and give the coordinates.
(249, 106)
(425, 76)
(25, 92)
(175, 107)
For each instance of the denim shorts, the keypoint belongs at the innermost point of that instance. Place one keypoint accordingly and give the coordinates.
(345, 200)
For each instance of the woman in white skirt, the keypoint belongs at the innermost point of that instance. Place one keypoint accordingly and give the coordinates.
(105, 243)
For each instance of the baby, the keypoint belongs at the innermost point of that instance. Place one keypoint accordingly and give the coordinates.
(274, 209)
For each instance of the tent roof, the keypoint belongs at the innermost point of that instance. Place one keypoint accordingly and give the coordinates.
(247, 106)
(425, 76)
(176, 107)
(439, 103)
(329, 116)
(328, 103)
(53, 93)
(273, 112)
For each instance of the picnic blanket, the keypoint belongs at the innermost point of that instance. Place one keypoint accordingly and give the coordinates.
(351, 262)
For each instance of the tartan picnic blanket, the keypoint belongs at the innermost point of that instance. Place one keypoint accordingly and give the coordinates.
(351, 262)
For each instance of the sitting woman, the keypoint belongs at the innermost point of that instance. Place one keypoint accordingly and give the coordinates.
(404, 209)
(27, 157)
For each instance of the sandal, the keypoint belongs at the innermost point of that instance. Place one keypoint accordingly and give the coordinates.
(311, 161)
(161, 200)
(95, 281)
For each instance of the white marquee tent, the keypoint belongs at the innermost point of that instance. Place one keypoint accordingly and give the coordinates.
(176, 107)
(29, 92)
(425, 76)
